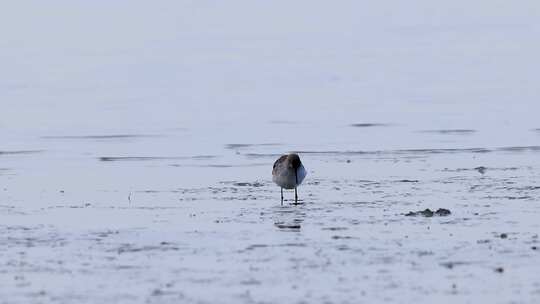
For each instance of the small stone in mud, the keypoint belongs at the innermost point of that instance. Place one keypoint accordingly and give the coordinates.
(534, 248)
(429, 213)
(442, 212)
(503, 236)
(481, 169)
(499, 269)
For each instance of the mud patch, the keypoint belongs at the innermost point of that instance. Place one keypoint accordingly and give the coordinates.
(429, 213)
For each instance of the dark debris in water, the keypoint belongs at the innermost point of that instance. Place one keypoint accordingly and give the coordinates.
(244, 184)
(335, 228)
(342, 237)
(407, 181)
(430, 213)
(281, 225)
(451, 131)
(20, 152)
(481, 169)
(368, 125)
(451, 265)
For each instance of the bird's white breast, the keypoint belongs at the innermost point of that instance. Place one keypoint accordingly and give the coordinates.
(301, 174)
(286, 178)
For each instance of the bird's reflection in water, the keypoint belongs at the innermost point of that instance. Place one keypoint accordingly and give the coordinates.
(289, 217)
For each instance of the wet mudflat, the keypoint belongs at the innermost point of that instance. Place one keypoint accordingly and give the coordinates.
(355, 236)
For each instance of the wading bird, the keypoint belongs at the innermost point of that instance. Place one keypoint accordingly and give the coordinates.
(288, 173)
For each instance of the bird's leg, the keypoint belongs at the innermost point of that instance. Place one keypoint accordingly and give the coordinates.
(296, 180)
(281, 196)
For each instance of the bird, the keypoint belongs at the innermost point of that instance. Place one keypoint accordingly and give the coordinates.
(288, 172)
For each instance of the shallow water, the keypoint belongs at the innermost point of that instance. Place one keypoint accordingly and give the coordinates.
(139, 169)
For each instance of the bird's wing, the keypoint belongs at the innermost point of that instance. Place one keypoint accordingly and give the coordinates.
(278, 161)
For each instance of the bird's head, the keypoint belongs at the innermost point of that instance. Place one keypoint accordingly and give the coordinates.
(294, 161)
